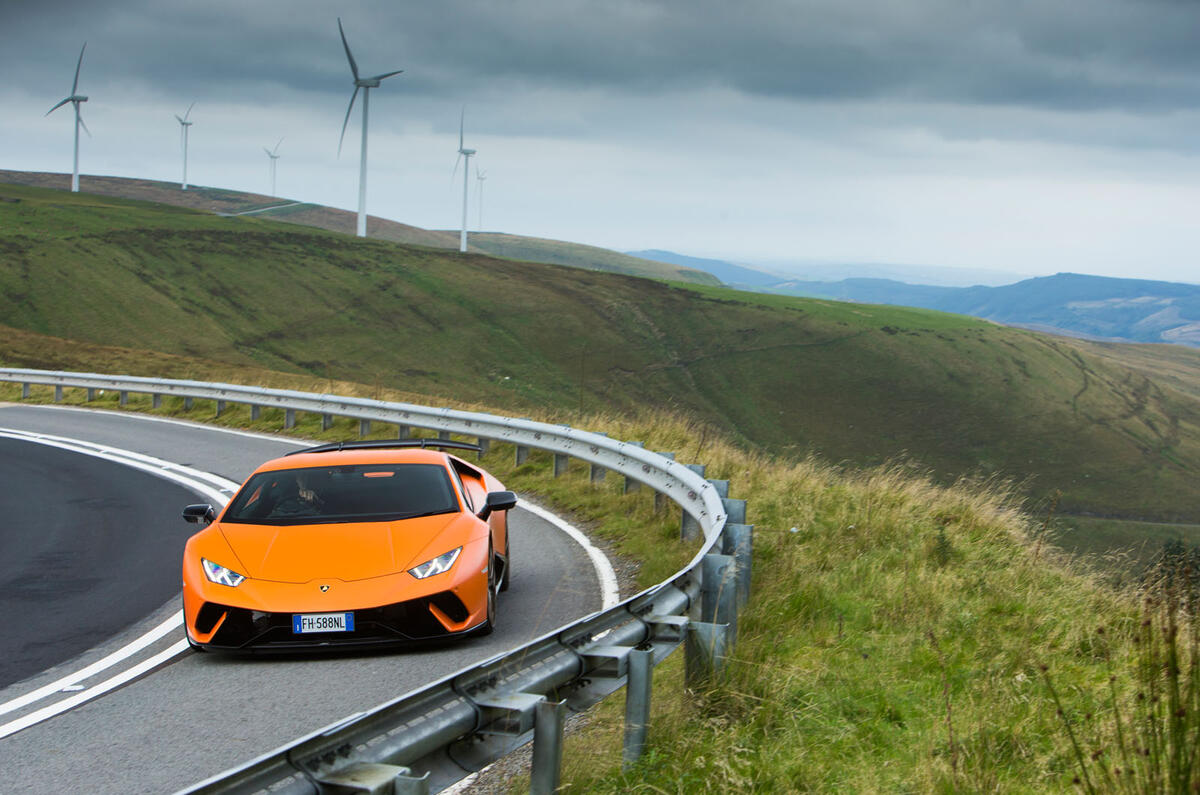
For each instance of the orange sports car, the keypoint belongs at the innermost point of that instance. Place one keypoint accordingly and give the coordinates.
(352, 544)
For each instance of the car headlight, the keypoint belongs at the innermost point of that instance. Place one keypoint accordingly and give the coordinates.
(221, 575)
(441, 563)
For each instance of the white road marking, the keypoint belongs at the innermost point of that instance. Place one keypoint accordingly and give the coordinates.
(214, 487)
(45, 713)
(610, 593)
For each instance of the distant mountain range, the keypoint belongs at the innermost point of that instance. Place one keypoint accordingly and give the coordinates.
(1093, 307)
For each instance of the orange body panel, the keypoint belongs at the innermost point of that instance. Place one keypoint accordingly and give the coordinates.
(350, 566)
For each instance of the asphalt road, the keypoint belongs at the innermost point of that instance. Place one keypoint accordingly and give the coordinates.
(203, 713)
(85, 552)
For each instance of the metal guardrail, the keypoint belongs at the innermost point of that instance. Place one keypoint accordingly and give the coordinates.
(432, 737)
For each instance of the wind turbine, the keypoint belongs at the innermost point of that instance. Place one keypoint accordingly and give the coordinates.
(462, 152)
(75, 99)
(183, 136)
(272, 154)
(480, 178)
(366, 84)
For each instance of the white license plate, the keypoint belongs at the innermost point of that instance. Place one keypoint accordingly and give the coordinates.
(303, 623)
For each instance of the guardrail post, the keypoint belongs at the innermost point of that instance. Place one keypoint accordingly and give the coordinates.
(91, 394)
(738, 541)
(156, 401)
(689, 528)
(255, 411)
(403, 432)
(444, 435)
(522, 454)
(58, 393)
(364, 427)
(561, 462)
(326, 421)
(704, 652)
(484, 446)
(549, 717)
(123, 398)
(630, 483)
(660, 499)
(24, 391)
(187, 404)
(722, 487)
(220, 407)
(637, 705)
(719, 592)
(735, 510)
(289, 418)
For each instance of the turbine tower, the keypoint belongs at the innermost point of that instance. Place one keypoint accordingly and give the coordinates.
(75, 99)
(183, 136)
(366, 84)
(480, 178)
(462, 152)
(274, 156)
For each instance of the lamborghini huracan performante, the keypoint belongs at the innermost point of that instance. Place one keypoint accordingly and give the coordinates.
(351, 544)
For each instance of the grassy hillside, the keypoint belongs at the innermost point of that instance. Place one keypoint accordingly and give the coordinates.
(854, 383)
(217, 200)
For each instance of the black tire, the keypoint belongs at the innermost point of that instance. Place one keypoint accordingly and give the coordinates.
(490, 623)
(507, 567)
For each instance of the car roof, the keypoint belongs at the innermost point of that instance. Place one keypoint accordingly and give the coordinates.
(379, 455)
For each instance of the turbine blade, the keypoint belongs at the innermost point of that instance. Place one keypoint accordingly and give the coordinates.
(177, 117)
(353, 65)
(457, 160)
(268, 151)
(347, 121)
(189, 112)
(59, 105)
(461, 120)
(75, 85)
(84, 126)
(389, 74)
(277, 145)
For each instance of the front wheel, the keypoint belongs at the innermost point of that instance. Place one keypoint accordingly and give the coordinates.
(490, 624)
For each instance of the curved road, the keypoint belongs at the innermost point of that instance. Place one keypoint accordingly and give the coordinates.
(197, 715)
(82, 547)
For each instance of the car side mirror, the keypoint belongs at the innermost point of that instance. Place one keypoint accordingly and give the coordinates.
(498, 501)
(194, 514)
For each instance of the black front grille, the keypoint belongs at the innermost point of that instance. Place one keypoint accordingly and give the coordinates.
(395, 623)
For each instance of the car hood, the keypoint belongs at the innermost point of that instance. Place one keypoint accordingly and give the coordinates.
(346, 551)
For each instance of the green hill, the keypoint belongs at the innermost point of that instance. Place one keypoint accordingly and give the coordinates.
(854, 383)
(227, 202)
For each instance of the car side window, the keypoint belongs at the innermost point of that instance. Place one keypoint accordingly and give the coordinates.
(472, 482)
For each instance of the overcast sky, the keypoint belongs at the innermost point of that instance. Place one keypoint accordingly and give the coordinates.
(1026, 137)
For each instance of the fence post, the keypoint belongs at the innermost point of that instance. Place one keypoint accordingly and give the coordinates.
(704, 651)
(637, 705)
(718, 592)
(549, 717)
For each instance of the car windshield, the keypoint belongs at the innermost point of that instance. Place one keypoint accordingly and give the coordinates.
(357, 493)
